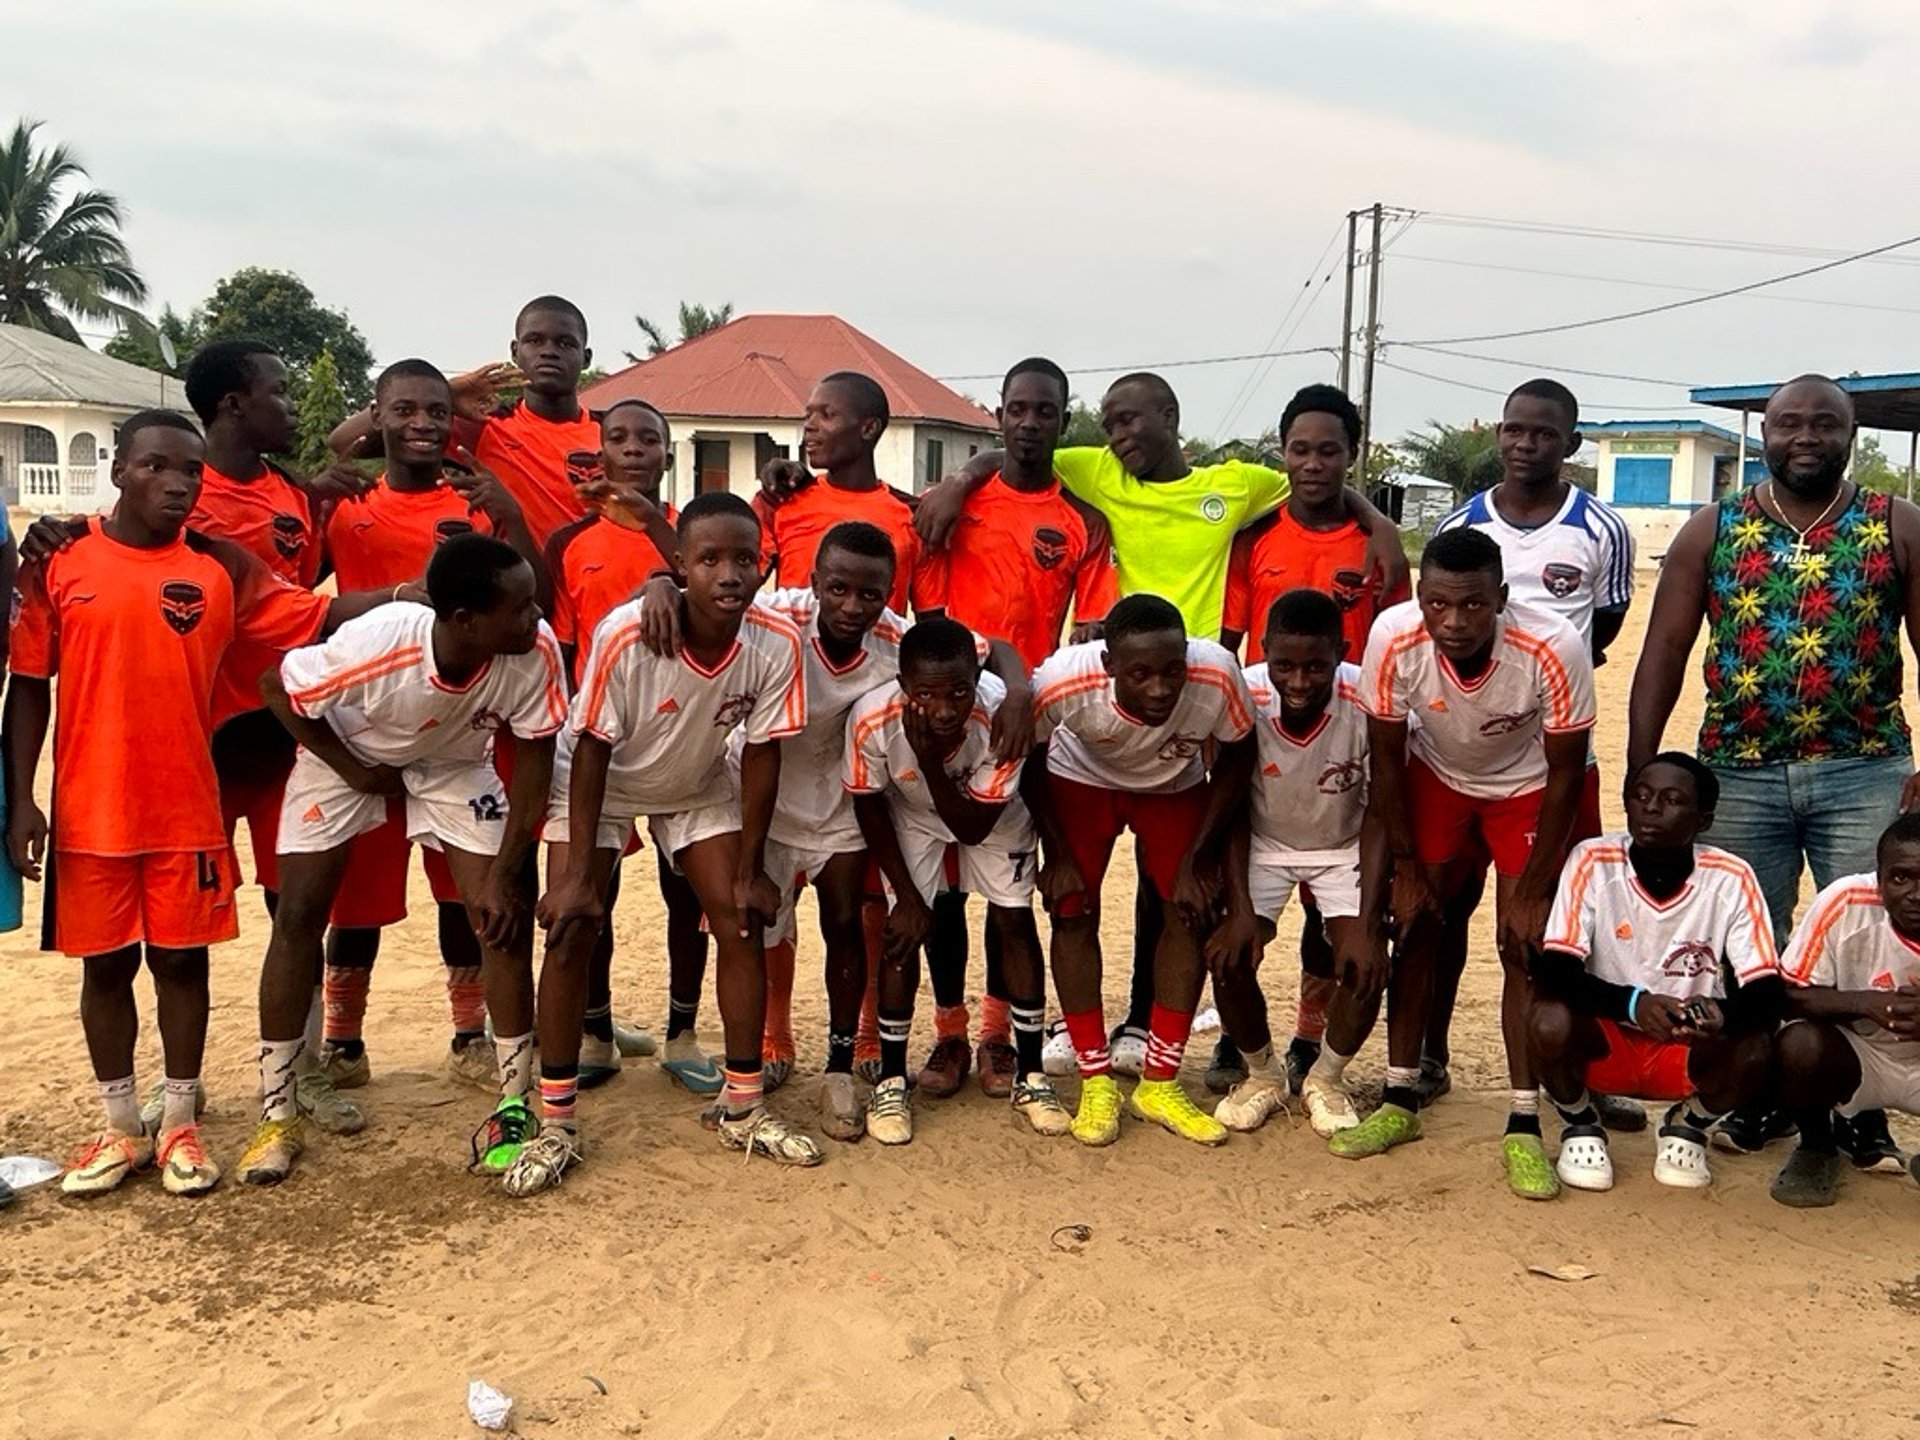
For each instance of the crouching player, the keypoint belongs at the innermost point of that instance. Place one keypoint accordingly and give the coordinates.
(1128, 721)
(1631, 983)
(648, 736)
(924, 778)
(1309, 828)
(410, 700)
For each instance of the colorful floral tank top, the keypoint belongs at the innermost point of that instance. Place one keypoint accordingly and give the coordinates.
(1803, 642)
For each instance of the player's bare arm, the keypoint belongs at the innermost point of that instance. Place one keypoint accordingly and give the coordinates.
(1012, 732)
(1196, 886)
(502, 901)
(970, 820)
(909, 920)
(756, 897)
(1412, 891)
(1060, 878)
(571, 895)
(1525, 920)
(1360, 949)
(29, 711)
(1235, 942)
(324, 741)
(1679, 607)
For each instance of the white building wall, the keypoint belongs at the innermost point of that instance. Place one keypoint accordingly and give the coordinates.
(72, 483)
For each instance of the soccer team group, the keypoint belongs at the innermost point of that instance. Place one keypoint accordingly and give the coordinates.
(529, 648)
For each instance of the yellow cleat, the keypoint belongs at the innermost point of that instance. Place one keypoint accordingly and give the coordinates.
(185, 1166)
(105, 1161)
(1098, 1119)
(269, 1158)
(1171, 1108)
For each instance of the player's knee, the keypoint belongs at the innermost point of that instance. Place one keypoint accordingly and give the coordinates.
(1550, 1027)
(1801, 1048)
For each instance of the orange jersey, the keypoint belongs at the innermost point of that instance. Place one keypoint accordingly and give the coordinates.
(139, 639)
(386, 537)
(270, 518)
(596, 565)
(1278, 554)
(530, 457)
(791, 532)
(1014, 563)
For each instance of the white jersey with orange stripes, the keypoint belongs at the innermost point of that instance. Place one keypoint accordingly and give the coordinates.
(375, 682)
(1671, 947)
(1486, 737)
(668, 720)
(1309, 792)
(1846, 942)
(1093, 741)
(878, 757)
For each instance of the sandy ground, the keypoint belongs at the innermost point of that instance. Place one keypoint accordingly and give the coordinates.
(1263, 1289)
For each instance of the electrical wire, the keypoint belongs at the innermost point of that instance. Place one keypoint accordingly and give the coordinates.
(1168, 364)
(1382, 360)
(1257, 376)
(1645, 237)
(1543, 366)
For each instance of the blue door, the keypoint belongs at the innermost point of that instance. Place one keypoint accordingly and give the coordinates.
(1643, 480)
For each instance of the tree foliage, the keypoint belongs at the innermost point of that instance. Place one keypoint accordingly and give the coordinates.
(1082, 426)
(1876, 470)
(61, 255)
(695, 319)
(278, 307)
(140, 344)
(1465, 457)
(323, 405)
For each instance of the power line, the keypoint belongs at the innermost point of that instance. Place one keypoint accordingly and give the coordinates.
(1645, 237)
(1538, 365)
(1672, 304)
(1493, 390)
(1257, 376)
(1167, 364)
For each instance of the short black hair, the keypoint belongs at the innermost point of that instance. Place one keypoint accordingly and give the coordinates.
(1905, 830)
(465, 571)
(712, 503)
(869, 398)
(1153, 384)
(1706, 784)
(857, 537)
(666, 430)
(1462, 551)
(557, 304)
(939, 641)
(409, 369)
(220, 369)
(1323, 400)
(1554, 393)
(151, 420)
(1039, 365)
(1307, 612)
(1142, 614)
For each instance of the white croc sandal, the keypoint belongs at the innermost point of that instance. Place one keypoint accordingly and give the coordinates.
(1681, 1160)
(1584, 1163)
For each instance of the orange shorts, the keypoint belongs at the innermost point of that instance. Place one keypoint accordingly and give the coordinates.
(1091, 818)
(176, 899)
(1636, 1064)
(1446, 823)
(373, 892)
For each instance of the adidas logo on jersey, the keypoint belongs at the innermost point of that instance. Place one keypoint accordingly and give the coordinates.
(313, 816)
(1271, 770)
(1439, 706)
(1623, 931)
(431, 722)
(668, 706)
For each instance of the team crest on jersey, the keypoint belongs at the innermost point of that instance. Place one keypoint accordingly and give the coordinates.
(733, 710)
(1049, 547)
(289, 536)
(1561, 580)
(1341, 776)
(1507, 724)
(445, 530)
(1690, 958)
(1214, 508)
(182, 603)
(1180, 747)
(1349, 588)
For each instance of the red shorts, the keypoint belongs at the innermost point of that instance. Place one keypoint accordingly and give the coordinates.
(1446, 823)
(373, 891)
(176, 899)
(1636, 1064)
(1091, 818)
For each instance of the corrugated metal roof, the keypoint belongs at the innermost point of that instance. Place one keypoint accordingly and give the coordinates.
(763, 366)
(39, 369)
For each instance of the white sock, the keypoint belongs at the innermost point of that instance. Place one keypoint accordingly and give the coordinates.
(316, 1034)
(1523, 1102)
(279, 1069)
(1331, 1066)
(179, 1107)
(123, 1111)
(1404, 1077)
(1259, 1062)
(515, 1054)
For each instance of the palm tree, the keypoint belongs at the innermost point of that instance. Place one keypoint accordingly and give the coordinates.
(61, 257)
(695, 319)
(1466, 457)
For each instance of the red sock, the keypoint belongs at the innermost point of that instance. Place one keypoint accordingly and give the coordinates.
(996, 1021)
(1088, 1031)
(951, 1020)
(467, 999)
(1310, 1016)
(873, 929)
(345, 1000)
(557, 1098)
(776, 1042)
(1167, 1035)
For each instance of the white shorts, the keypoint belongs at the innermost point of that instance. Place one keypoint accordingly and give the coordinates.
(456, 805)
(672, 832)
(1887, 1081)
(1335, 886)
(789, 867)
(1000, 868)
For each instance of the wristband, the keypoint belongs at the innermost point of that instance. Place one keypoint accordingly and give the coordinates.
(1633, 1003)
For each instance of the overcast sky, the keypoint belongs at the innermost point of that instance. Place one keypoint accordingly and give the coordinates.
(1110, 182)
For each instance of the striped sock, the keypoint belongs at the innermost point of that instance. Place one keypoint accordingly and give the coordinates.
(279, 1063)
(742, 1094)
(1310, 1014)
(681, 1015)
(515, 1054)
(123, 1111)
(1167, 1032)
(466, 1000)
(894, 1030)
(1399, 1087)
(839, 1054)
(1029, 1021)
(598, 1023)
(345, 1002)
(182, 1099)
(559, 1089)
(1088, 1031)
(995, 1015)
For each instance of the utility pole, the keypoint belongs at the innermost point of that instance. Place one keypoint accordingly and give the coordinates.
(1346, 313)
(1372, 338)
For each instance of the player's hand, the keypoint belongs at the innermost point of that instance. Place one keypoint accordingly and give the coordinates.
(568, 900)
(625, 505)
(1361, 965)
(1086, 631)
(477, 393)
(1413, 895)
(1194, 895)
(756, 899)
(1701, 1018)
(49, 535)
(1063, 889)
(483, 490)
(1910, 793)
(378, 780)
(1012, 731)
(939, 511)
(1519, 931)
(27, 838)
(1661, 1017)
(918, 728)
(781, 480)
(1897, 1012)
(909, 923)
(1386, 560)
(343, 479)
(502, 904)
(660, 617)
(1234, 946)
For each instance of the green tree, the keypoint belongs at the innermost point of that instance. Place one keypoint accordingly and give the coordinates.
(1465, 457)
(695, 319)
(280, 308)
(61, 255)
(140, 344)
(1082, 426)
(323, 405)
(1875, 470)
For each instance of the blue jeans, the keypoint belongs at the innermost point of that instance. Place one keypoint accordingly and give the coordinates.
(1828, 812)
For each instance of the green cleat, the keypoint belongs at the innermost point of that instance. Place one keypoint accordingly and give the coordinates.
(502, 1136)
(1529, 1174)
(1385, 1128)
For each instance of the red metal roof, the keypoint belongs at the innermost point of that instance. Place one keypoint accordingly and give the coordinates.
(763, 366)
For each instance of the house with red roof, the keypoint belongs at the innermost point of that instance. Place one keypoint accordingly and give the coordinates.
(736, 397)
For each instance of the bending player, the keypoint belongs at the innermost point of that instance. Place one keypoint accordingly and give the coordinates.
(649, 737)
(1127, 720)
(1632, 981)
(1504, 697)
(137, 616)
(409, 702)
(1309, 829)
(922, 768)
